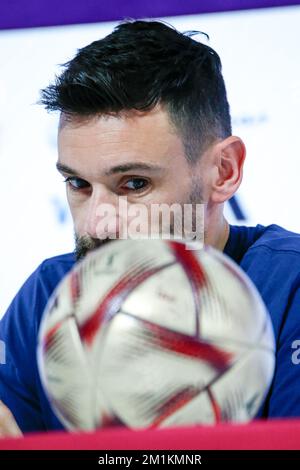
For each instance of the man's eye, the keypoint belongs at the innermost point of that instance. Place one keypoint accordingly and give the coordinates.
(135, 184)
(76, 183)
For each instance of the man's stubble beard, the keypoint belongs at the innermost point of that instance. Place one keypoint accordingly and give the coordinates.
(85, 244)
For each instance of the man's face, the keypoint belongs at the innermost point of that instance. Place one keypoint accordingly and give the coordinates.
(138, 156)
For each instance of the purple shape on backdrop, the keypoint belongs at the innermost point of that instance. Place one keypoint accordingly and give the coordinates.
(34, 13)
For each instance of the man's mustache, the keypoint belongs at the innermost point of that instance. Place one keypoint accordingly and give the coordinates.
(85, 244)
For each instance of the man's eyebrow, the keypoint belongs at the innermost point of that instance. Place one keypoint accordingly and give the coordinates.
(65, 169)
(132, 166)
(123, 168)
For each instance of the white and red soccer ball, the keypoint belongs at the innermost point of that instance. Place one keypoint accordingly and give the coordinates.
(147, 334)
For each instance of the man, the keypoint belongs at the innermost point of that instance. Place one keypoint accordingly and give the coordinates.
(144, 114)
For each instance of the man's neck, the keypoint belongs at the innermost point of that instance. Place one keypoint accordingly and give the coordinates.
(218, 236)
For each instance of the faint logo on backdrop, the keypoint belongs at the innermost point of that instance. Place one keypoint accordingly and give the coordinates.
(250, 120)
(237, 209)
(61, 210)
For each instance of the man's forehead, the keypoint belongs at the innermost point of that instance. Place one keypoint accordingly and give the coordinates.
(157, 117)
(144, 139)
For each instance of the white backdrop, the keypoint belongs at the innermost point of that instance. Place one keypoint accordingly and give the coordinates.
(260, 54)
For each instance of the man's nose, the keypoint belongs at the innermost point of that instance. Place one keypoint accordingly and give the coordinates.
(101, 220)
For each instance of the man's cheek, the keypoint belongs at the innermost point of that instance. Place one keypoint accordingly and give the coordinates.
(78, 222)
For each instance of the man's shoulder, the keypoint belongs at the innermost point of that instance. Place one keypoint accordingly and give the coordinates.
(38, 287)
(277, 239)
(274, 250)
(260, 242)
(64, 261)
(267, 253)
(36, 290)
(51, 271)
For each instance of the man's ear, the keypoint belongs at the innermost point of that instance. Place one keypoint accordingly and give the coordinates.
(229, 160)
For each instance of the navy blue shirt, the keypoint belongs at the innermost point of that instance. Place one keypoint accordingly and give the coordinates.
(269, 255)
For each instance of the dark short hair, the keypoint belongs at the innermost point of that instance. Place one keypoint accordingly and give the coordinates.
(142, 64)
